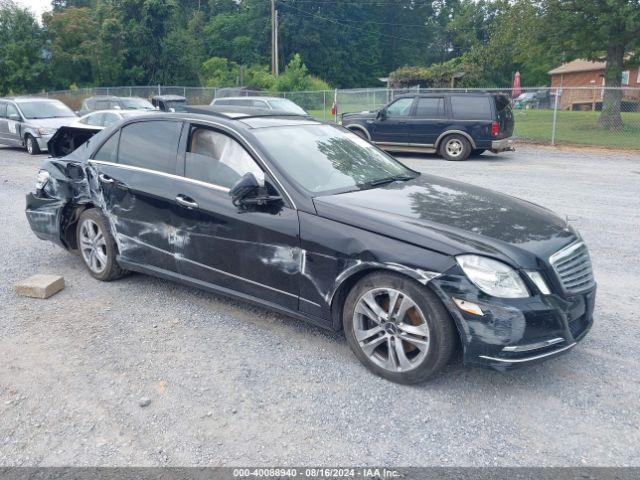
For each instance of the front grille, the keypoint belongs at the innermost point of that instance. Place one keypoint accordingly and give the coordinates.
(573, 267)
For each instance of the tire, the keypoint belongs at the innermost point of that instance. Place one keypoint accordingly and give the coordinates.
(478, 151)
(359, 133)
(32, 144)
(455, 147)
(423, 336)
(97, 246)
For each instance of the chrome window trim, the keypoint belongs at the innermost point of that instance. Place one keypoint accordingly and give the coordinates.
(163, 174)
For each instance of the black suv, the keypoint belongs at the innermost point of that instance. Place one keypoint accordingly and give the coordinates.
(453, 124)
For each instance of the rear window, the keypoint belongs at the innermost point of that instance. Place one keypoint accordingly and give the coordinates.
(152, 145)
(471, 108)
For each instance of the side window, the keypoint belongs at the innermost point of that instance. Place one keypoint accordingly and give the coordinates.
(259, 104)
(94, 119)
(3, 110)
(109, 119)
(102, 105)
(151, 144)
(471, 107)
(12, 110)
(430, 108)
(216, 158)
(400, 108)
(108, 152)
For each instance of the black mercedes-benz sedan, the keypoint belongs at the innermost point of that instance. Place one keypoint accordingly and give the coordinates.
(311, 220)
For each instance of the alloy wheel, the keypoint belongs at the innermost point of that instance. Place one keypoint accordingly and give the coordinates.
(391, 329)
(454, 147)
(93, 246)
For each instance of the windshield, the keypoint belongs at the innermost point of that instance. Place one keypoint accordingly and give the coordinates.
(136, 104)
(284, 105)
(45, 109)
(324, 158)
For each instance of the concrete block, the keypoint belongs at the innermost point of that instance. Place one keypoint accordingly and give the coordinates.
(40, 286)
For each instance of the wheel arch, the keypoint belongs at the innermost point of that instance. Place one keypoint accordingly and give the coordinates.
(347, 279)
(452, 132)
(355, 126)
(70, 223)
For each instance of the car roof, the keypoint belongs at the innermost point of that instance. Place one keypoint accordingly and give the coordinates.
(28, 99)
(449, 93)
(117, 111)
(169, 97)
(251, 97)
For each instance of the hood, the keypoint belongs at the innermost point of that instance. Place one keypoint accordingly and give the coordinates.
(51, 122)
(361, 115)
(452, 218)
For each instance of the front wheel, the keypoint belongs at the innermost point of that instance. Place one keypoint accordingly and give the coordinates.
(455, 148)
(397, 328)
(32, 145)
(97, 246)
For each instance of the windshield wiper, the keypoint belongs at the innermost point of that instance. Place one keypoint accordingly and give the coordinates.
(382, 181)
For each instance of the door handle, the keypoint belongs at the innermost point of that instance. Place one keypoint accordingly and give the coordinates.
(186, 201)
(105, 178)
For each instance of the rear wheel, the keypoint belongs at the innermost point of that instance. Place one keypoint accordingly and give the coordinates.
(455, 148)
(32, 145)
(397, 328)
(97, 246)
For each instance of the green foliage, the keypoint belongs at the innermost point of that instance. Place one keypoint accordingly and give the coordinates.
(22, 55)
(454, 72)
(296, 78)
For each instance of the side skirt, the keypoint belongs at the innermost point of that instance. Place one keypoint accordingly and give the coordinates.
(406, 147)
(210, 287)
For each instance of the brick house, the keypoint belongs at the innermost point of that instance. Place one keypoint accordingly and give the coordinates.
(584, 73)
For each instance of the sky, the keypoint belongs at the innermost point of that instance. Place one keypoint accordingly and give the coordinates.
(36, 6)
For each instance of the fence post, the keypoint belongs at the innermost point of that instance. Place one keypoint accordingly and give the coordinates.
(324, 105)
(555, 118)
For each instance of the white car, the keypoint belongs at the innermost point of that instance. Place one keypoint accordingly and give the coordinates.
(103, 118)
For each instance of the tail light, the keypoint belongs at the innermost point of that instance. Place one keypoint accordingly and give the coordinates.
(495, 129)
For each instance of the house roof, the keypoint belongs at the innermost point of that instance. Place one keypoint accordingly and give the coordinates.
(579, 65)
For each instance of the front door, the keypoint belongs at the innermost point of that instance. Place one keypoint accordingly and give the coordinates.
(11, 125)
(392, 126)
(428, 121)
(135, 178)
(254, 251)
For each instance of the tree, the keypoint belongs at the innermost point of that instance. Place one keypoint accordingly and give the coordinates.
(23, 64)
(597, 30)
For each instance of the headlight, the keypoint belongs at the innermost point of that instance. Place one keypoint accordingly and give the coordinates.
(46, 131)
(493, 277)
(41, 179)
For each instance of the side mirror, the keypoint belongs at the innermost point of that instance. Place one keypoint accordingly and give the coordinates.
(382, 114)
(15, 117)
(248, 191)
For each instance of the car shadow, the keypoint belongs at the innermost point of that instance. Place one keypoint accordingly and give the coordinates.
(486, 157)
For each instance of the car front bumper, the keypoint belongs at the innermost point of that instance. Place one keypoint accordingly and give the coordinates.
(515, 332)
(42, 141)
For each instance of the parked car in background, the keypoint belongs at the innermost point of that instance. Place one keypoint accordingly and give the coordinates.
(108, 102)
(533, 99)
(103, 118)
(31, 121)
(169, 103)
(455, 125)
(309, 219)
(267, 103)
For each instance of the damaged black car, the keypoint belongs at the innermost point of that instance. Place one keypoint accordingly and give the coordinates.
(311, 220)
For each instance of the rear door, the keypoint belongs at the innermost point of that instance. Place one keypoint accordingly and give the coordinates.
(505, 116)
(137, 182)
(393, 127)
(428, 121)
(254, 251)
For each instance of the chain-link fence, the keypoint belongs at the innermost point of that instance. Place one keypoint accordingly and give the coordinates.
(542, 115)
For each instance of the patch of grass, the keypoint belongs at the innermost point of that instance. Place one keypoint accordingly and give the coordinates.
(580, 128)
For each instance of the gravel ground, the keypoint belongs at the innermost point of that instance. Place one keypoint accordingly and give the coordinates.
(230, 384)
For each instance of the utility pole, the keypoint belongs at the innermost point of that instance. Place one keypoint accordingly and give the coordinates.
(274, 39)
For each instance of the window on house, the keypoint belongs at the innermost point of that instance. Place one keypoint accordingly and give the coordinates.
(625, 77)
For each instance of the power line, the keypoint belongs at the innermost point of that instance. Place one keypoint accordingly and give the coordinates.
(313, 15)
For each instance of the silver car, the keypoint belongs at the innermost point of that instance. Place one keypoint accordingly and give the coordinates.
(30, 122)
(268, 103)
